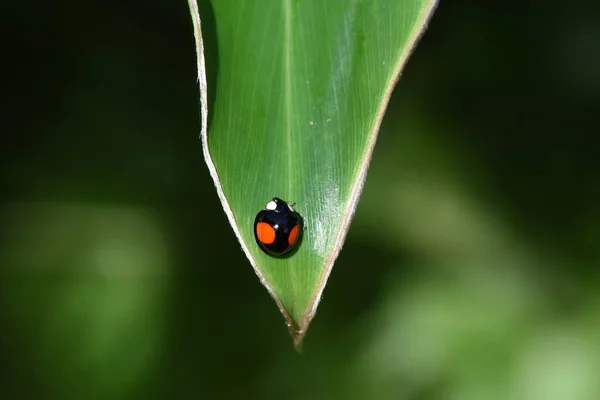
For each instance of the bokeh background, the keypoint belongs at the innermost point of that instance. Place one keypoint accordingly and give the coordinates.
(471, 270)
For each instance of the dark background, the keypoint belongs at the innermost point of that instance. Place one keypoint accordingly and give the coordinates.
(470, 270)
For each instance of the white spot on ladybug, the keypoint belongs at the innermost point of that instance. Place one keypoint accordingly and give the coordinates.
(290, 207)
(271, 205)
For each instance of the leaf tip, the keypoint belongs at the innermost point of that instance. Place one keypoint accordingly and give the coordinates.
(298, 337)
(297, 332)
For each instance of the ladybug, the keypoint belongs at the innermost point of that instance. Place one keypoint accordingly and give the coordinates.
(278, 228)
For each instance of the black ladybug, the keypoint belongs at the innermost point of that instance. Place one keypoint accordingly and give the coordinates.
(278, 228)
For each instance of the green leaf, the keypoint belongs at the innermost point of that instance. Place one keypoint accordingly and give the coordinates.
(302, 87)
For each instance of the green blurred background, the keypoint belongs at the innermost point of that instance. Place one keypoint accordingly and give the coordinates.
(469, 272)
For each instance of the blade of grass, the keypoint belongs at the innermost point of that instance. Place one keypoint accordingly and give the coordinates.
(299, 103)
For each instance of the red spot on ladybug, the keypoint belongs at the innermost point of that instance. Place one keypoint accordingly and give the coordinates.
(278, 228)
(293, 235)
(265, 233)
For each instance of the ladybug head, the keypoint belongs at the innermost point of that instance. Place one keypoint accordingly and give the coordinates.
(278, 205)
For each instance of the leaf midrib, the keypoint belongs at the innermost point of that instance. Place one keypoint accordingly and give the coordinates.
(288, 109)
